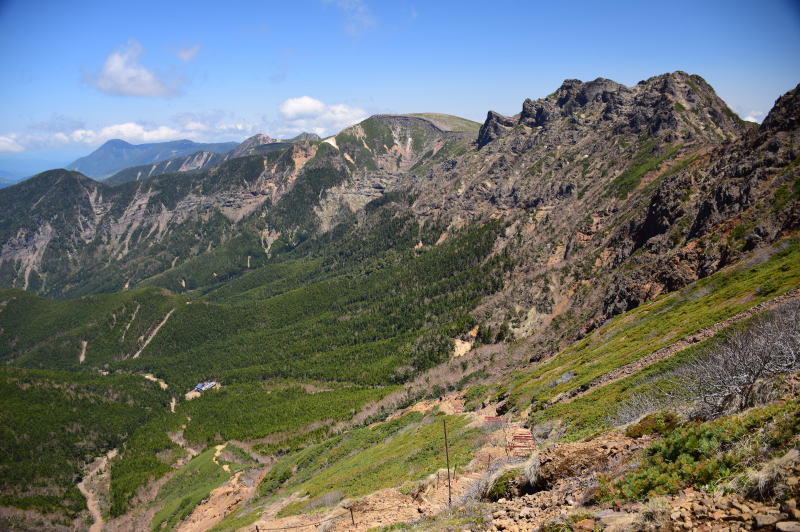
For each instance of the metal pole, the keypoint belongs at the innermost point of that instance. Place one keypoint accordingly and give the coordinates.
(447, 456)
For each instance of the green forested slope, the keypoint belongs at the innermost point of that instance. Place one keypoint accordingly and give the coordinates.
(53, 422)
(365, 309)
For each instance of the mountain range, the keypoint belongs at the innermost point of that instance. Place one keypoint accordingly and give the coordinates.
(115, 155)
(543, 269)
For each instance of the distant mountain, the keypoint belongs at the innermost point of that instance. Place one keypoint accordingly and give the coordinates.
(304, 136)
(116, 155)
(186, 163)
(64, 234)
(259, 144)
(6, 179)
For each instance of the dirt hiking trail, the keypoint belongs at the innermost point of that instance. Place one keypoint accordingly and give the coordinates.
(92, 501)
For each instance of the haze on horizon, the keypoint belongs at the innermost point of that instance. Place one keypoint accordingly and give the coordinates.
(83, 74)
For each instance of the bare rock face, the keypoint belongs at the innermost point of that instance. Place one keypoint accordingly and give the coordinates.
(496, 125)
(63, 234)
(598, 175)
(745, 170)
(785, 115)
(584, 458)
(734, 184)
(248, 146)
(575, 96)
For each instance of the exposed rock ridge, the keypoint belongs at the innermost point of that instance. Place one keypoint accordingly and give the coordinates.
(654, 106)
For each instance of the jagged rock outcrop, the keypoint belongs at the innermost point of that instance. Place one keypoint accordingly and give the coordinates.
(596, 171)
(785, 114)
(496, 125)
(733, 186)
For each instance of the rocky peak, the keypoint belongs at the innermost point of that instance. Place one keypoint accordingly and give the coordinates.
(785, 115)
(675, 107)
(250, 144)
(305, 136)
(668, 103)
(575, 94)
(495, 126)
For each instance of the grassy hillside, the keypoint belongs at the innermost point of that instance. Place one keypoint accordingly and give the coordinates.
(665, 320)
(288, 300)
(369, 459)
(450, 122)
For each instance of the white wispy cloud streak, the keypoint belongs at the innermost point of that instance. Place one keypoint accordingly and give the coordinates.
(358, 17)
(123, 74)
(189, 53)
(9, 144)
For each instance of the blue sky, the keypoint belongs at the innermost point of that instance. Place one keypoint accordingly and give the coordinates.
(79, 73)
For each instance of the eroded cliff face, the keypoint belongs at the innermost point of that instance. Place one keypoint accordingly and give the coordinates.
(728, 200)
(188, 163)
(68, 235)
(135, 227)
(615, 194)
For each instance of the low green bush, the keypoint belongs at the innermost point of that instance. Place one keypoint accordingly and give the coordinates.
(707, 454)
(658, 423)
(504, 486)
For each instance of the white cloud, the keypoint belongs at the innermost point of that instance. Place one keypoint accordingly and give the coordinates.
(187, 54)
(304, 106)
(8, 143)
(358, 17)
(123, 75)
(195, 126)
(754, 116)
(293, 116)
(130, 131)
(309, 114)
